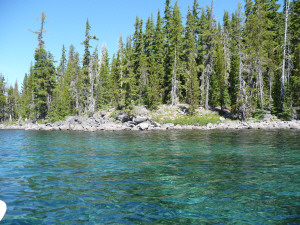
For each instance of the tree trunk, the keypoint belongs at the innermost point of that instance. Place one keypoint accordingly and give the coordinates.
(202, 88)
(91, 107)
(174, 80)
(282, 81)
(260, 83)
(209, 64)
(207, 86)
(49, 100)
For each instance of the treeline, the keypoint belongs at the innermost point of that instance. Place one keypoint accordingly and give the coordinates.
(249, 63)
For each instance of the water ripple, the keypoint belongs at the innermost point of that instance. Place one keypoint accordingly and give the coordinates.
(192, 177)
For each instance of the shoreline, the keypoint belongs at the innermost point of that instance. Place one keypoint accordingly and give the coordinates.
(77, 123)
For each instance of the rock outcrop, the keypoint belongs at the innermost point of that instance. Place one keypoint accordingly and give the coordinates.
(140, 119)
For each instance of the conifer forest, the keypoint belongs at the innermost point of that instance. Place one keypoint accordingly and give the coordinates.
(247, 63)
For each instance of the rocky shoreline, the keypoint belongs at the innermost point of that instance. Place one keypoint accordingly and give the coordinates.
(142, 123)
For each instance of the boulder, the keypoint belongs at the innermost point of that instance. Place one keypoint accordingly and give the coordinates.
(183, 111)
(135, 128)
(209, 125)
(141, 111)
(64, 127)
(268, 117)
(144, 126)
(140, 119)
(57, 123)
(91, 129)
(123, 118)
(168, 126)
(178, 127)
(222, 119)
(130, 124)
(155, 124)
(76, 127)
(294, 125)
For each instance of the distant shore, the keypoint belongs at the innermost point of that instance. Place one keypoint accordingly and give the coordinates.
(93, 124)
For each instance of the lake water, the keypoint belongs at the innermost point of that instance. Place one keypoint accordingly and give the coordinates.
(170, 177)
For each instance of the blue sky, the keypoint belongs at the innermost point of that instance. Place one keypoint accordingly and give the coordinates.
(66, 25)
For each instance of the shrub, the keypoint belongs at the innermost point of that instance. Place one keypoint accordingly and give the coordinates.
(195, 119)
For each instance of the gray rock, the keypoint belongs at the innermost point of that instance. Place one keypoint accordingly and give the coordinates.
(209, 125)
(57, 123)
(123, 118)
(141, 111)
(64, 127)
(158, 128)
(222, 119)
(183, 111)
(155, 124)
(143, 126)
(168, 126)
(135, 128)
(91, 129)
(76, 127)
(130, 124)
(269, 117)
(178, 127)
(294, 125)
(140, 119)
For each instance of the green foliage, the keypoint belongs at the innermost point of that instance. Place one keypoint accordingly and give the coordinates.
(103, 83)
(199, 120)
(44, 82)
(114, 114)
(234, 64)
(259, 114)
(295, 34)
(2, 98)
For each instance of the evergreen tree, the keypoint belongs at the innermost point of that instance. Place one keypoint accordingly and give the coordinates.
(176, 53)
(60, 107)
(77, 81)
(10, 103)
(140, 61)
(236, 63)
(27, 96)
(2, 98)
(120, 59)
(238, 27)
(192, 82)
(257, 37)
(61, 70)
(273, 41)
(16, 96)
(219, 87)
(87, 76)
(158, 49)
(203, 28)
(294, 30)
(129, 81)
(207, 38)
(43, 75)
(44, 82)
(103, 83)
(168, 55)
(152, 90)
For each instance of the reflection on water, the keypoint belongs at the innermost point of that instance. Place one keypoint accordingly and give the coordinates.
(242, 177)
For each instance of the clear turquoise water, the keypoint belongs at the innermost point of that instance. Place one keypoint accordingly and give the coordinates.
(178, 177)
